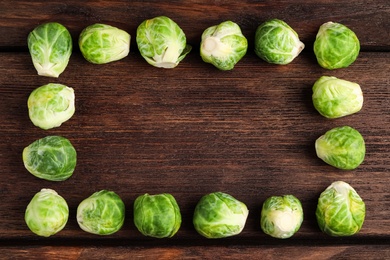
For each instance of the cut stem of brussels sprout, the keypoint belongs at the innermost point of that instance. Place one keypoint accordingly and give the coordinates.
(276, 42)
(103, 213)
(285, 222)
(50, 47)
(334, 98)
(101, 43)
(161, 42)
(219, 215)
(157, 215)
(213, 44)
(340, 210)
(336, 46)
(281, 216)
(223, 45)
(341, 147)
(47, 213)
(51, 158)
(51, 105)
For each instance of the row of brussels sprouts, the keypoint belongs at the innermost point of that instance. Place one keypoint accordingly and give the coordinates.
(162, 43)
(340, 212)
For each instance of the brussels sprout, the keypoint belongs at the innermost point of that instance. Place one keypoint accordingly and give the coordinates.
(51, 105)
(276, 42)
(340, 210)
(157, 215)
(281, 216)
(336, 46)
(103, 213)
(223, 45)
(50, 47)
(51, 158)
(162, 42)
(334, 98)
(219, 215)
(101, 43)
(342, 147)
(47, 213)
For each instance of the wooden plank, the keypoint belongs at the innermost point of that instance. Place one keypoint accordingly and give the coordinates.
(191, 130)
(192, 252)
(369, 19)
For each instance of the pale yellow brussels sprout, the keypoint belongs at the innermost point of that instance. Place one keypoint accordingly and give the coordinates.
(334, 98)
(102, 43)
(51, 105)
(47, 213)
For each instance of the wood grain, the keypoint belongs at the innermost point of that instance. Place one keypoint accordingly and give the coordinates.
(193, 252)
(369, 19)
(249, 132)
(192, 130)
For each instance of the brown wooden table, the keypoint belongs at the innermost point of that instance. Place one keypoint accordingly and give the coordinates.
(193, 129)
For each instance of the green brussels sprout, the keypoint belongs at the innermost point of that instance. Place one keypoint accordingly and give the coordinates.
(336, 46)
(50, 47)
(157, 215)
(334, 98)
(47, 213)
(340, 210)
(281, 216)
(103, 213)
(51, 158)
(162, 42)
(276, 42)
(219, 215)
(101, 43)
(342, 147)
(223, 45)
(51, 105)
